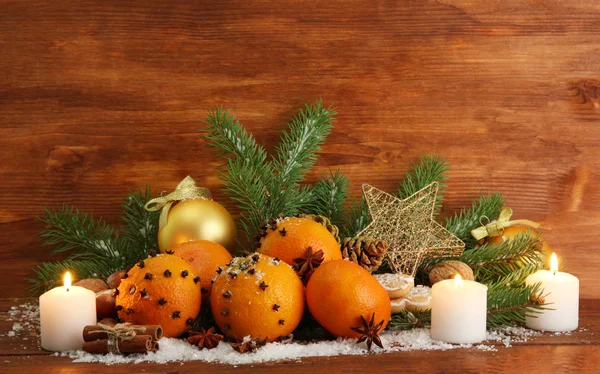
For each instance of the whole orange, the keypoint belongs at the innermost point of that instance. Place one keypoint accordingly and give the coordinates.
(257, 296)
(292, 237)
(161, 290)
(205, 257)
(340, 292)
(512, 231)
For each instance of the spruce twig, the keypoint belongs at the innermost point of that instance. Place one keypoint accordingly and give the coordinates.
(94, 248)
(139, 226)
(357, 218)
(406, 320)
(510, 305)
(430, 168)
(264, 188)
(461, 223)
(329, 196)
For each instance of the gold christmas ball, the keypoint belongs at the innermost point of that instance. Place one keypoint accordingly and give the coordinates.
(198, 218)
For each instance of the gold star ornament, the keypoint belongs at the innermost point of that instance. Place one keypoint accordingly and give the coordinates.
(409, 228)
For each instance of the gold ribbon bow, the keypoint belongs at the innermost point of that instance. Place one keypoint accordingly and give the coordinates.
(117, 333)
(495, 228)
(186, 189)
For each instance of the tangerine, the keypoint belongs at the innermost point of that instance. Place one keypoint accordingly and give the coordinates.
(512, 231)
(340, 292)
(161, 290)
(205, 257)
(257, 296)
(292, 237)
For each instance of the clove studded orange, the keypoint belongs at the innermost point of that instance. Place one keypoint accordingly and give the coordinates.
(161, 290)
(290, 238)
(205, 257)
(257, 296)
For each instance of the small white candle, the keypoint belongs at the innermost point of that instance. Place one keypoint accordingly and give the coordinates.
(64, 311)
(458, 311)
(561, 291)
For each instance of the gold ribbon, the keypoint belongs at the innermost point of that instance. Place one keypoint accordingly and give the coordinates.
(117, 333)
(496, 228)
(186, 189)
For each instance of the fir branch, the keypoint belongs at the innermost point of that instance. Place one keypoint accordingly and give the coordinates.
(263, 189)
(357, 218)
(329, 196)
(494, 261)
(406, 320)
(70, 230)
(461, 224)
(430, 168)
(509, 305)
(230, 140)
(296, 152)
(139, 227)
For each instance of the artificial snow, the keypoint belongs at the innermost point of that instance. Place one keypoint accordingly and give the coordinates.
(25, 320)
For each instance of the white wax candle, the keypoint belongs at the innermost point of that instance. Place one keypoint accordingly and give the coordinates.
(458, 311)
(561, 291)
(64, 311)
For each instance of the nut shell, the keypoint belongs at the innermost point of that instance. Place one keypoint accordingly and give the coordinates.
(448, 270)
(93, 284)
(114, 280)
(106, 304)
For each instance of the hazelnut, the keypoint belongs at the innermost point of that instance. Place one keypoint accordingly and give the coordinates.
(114, 280)
(93, 284)
(106, 304)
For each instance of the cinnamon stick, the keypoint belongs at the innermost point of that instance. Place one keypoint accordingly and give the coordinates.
(94, 332)
(139, 344)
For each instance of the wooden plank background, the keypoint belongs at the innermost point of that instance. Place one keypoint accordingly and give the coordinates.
(98, 97)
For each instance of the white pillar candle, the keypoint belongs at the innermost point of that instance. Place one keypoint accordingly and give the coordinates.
(64, 311)
(561, 292)
(458, 311)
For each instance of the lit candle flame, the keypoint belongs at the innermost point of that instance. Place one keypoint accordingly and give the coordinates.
(553, 263)
(67, 280)
(458, 281)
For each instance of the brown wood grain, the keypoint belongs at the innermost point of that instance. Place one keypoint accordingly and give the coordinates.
(575, 352)
(98, 97)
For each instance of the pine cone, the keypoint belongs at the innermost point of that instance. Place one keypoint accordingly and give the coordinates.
(364, 251)
(333, 229)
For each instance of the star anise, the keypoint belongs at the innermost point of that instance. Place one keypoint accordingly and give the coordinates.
(251, 345)
(205, 339)
(369, 332)
(305, 266)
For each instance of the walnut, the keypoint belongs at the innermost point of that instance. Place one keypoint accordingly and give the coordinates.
(448, 270)
(92, 284)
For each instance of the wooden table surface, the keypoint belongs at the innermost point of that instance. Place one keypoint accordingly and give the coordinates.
(575, 352)
(98, 97)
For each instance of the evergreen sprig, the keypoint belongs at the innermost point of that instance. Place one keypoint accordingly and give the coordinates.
(93, 248)
(430, 168)
(356, 219)
(262, 187)
(461, 223)
(329, 196)
(510, 301)
(407, 320)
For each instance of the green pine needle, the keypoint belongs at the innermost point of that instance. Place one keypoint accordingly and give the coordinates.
(92, 247)
(461, 223)
(406, 320)
(510, 304)
(329, 196)
(357, 218)
(430, 168)
(265, 188)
